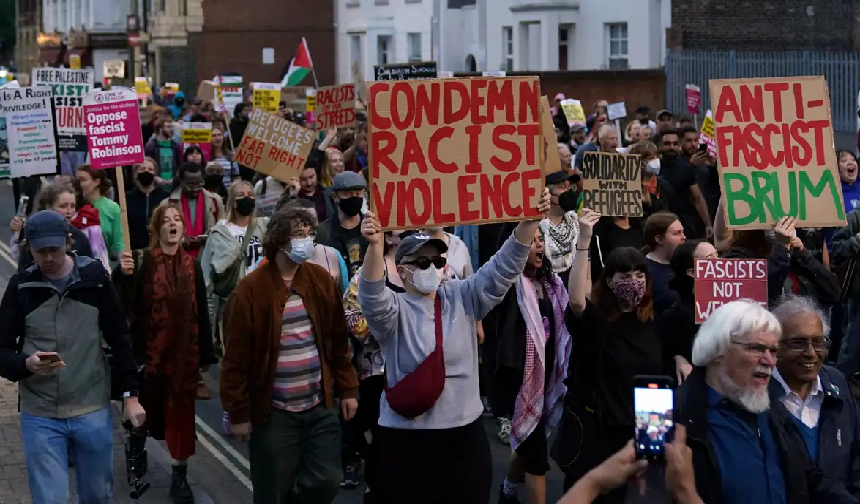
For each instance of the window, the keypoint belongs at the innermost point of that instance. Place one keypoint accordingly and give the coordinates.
(160, 5)
(617, 35)
(355, 48)
(183, 7)
(508, 48)
(413, 44)
(384, 50)
(563, 45)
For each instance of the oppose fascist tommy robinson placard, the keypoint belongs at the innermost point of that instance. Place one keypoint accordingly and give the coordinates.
(112, 120)
(446, 152)
(775, 150)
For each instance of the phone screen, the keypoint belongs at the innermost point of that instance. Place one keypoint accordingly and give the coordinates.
(654, 404)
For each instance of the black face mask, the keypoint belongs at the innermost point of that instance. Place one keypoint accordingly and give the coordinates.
(245, 206)
(145, 178)
(351, 206)
(567, 200)
(212, 180)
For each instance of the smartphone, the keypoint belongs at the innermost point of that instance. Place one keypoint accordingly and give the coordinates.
(22, 206)
(53, 357)
(654, 406)
(703, 147)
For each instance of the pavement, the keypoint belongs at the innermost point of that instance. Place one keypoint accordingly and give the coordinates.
(219, 473)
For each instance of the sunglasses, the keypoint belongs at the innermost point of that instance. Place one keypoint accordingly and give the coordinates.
(425, 262)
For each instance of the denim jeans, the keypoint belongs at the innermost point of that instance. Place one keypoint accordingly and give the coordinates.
(46, 442)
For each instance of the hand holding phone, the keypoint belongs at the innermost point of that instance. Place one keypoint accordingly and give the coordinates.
(654, 406)
(44, 362)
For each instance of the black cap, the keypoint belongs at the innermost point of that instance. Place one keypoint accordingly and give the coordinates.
(559, 177)
(414, 242)
(665, 112)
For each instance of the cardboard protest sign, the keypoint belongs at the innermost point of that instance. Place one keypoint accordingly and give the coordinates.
(616, 111)
(406, 71)
(274, 146)
(612, 183)
(112, 120)
(30, 130)
(267, 96)
(549, 152)
(775, 151)
(335, 106)
(573, 111)
(70, 87)
(199, 134)
(207, 91)
(446, 152)
(707, 134)
(718, 281)
(694, 98)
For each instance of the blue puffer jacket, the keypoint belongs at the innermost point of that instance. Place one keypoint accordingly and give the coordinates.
(839, 429)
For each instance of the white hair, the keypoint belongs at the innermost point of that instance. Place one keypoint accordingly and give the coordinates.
(727, 323)
(791, 305)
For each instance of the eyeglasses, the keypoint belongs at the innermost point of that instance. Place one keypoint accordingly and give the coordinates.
(757, 350)
(819, 344)
(425, 262)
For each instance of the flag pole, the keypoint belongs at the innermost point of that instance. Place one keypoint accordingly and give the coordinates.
(313, 70)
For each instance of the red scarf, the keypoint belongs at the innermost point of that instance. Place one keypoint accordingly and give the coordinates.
(196, 226)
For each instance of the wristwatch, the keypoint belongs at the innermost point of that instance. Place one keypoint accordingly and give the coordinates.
(130, 393)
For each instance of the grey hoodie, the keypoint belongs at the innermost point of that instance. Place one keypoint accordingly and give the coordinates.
(222, 249)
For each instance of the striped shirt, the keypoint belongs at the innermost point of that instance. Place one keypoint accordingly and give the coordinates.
(298, 377)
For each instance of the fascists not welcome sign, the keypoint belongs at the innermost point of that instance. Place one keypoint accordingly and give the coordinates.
(718, 281)
(775, 149)
(446, 152)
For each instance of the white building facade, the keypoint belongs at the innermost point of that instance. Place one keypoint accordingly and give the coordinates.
(510, 35)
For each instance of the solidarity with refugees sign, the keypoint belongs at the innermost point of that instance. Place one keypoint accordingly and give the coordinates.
(112, 120)
(70, 87)
(775, 149)
(612, 183)
(718, 281)
(274, 146)
(446, 152)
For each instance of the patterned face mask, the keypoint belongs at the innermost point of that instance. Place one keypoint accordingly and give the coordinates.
(628, 291)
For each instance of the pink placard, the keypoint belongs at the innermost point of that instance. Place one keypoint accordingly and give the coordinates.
(114, 137)
(694, 98)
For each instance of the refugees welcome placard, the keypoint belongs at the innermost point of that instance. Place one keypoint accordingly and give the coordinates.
(612, 183)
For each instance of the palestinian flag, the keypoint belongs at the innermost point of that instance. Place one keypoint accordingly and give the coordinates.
(300, 66)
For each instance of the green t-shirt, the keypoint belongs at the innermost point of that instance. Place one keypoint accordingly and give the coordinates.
(111, 224)
(165, 154)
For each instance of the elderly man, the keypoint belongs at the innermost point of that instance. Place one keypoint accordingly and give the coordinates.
(817, 396)
(745, 449)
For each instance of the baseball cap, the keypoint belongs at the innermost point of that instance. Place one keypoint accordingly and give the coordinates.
(559, 177)
(577, 127)
(665, 112)
(414, 242)
(347, 181)
(46, 229)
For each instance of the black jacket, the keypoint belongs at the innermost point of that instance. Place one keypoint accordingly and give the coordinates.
(805, 483)
(839, 428)
(140, 206)
(778, 265)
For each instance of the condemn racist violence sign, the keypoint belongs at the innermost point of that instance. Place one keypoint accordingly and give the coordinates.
(274, 146)
(446, 152)
(112, 120)
(775, 149)
(612, 183)
(718, 281)
(70, 87)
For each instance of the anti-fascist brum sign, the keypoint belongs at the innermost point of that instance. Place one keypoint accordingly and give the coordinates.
(612, 183)
(719, 281)
(112, 120)
(775, 149)
(446, 152)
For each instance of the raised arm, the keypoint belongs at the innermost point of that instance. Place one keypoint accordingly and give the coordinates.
(378, 302)
(577, 283)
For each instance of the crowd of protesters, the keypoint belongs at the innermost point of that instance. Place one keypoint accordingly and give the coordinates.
(351, 356)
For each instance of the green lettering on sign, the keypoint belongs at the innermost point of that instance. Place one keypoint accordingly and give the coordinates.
(761, 192)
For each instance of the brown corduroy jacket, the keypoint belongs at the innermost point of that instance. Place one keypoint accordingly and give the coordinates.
(252, 334)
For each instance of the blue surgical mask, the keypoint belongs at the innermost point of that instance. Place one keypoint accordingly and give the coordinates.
(301, 249)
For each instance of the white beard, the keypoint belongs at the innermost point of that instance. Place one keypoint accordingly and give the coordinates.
(754, 400)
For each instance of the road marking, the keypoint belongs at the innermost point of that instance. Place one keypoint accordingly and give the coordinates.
(5, 253)
(224, 444)
(221, 458)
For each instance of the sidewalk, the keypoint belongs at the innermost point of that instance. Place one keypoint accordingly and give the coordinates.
(13, 471)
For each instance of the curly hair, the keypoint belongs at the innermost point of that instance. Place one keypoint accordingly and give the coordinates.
(157, 219)
(281, 227)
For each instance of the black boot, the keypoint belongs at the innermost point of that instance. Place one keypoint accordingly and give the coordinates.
(179, 489)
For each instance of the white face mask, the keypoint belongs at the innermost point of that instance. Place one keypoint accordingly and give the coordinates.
(301, 249)
(426, 281)
(653, 167)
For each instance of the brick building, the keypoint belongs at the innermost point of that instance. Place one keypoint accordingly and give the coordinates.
(766, 25)
(235, 33)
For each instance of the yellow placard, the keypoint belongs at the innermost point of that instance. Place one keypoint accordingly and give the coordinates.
(75, 61)
(312, 103)
(267, 96)
(191, 135)
(141, 87)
